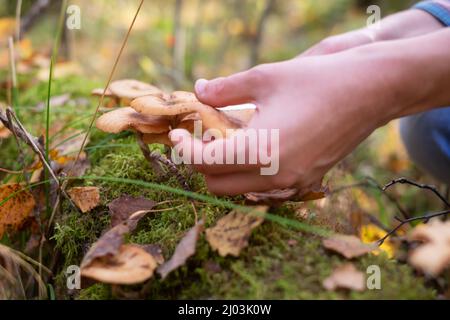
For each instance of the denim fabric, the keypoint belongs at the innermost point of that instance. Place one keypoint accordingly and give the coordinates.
(427, 139)
(438, 9)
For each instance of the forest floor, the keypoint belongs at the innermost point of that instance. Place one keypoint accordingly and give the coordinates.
(280, 261)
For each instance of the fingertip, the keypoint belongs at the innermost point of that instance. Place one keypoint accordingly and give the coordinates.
(200, 87)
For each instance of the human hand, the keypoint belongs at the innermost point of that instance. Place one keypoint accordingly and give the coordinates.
(405, 24)
(323, 108)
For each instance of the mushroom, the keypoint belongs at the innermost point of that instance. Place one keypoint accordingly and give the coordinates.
(111, 100)
(130, 265)
(124, 119)
(129, 89)
(123, 91)
(185, 103)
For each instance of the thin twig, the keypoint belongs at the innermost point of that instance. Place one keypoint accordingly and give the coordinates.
(11, 171)
(425, 218)
(420, 186)
(372, 183)
(8, 121)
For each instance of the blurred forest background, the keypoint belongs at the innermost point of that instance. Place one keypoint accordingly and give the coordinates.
(175, 42)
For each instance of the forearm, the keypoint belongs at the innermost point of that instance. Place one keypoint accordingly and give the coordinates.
(405, 24)
(412, 75)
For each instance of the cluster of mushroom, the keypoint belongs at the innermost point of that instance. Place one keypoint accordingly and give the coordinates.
(154, 113)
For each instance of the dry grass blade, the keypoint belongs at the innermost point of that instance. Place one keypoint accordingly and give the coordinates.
(100, 103)
(17, 261)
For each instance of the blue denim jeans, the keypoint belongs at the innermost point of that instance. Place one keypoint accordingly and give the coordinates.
(427, 139)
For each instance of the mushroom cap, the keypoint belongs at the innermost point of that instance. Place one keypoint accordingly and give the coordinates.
(131, 265)
(158, 105)
(132, 89)
(185, 103)
(123, 119)
(98, 92)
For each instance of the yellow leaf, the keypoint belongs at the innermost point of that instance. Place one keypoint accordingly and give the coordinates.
(370, 233)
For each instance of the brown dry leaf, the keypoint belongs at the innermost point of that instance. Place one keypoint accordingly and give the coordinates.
(185, 249)
(155, 251)
(345, 277)
(110, 261)
(110, 242)
(348, 246)
(4, 133)
(122, 207)
(433, 256)
(85, 198)
(273, 196)
(282, 195)
(17, 210)
(130, 265)
(231, 233)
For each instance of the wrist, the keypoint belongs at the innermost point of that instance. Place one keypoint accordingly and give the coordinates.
(408, 76)
(406, 24)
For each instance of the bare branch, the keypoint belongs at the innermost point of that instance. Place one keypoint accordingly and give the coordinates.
(418, 185)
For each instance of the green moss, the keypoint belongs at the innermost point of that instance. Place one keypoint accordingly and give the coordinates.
(74, 233)
(269, 268)
(98, 291)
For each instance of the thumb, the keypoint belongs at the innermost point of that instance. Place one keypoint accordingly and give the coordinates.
(239, 88)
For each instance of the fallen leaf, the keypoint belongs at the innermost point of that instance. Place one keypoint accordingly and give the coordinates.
(185, 249)
(7, 27)
(122, 207)
(348, 246)
(130, 265)
(282, 195)
(273, 196)
(345, 277)
(4, 133)
(110, 242)
(371, 233)
(231, 233)
(433, 256)
(155, 251)
(85, 198)
(55, 102)
(16, 210)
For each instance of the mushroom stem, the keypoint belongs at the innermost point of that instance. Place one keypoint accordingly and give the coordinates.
(156, 165)
(156, 160)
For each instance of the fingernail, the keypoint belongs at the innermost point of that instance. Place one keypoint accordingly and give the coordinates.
(200, 86)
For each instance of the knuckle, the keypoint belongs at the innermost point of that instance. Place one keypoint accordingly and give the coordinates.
(258, 75)
(329, 45)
